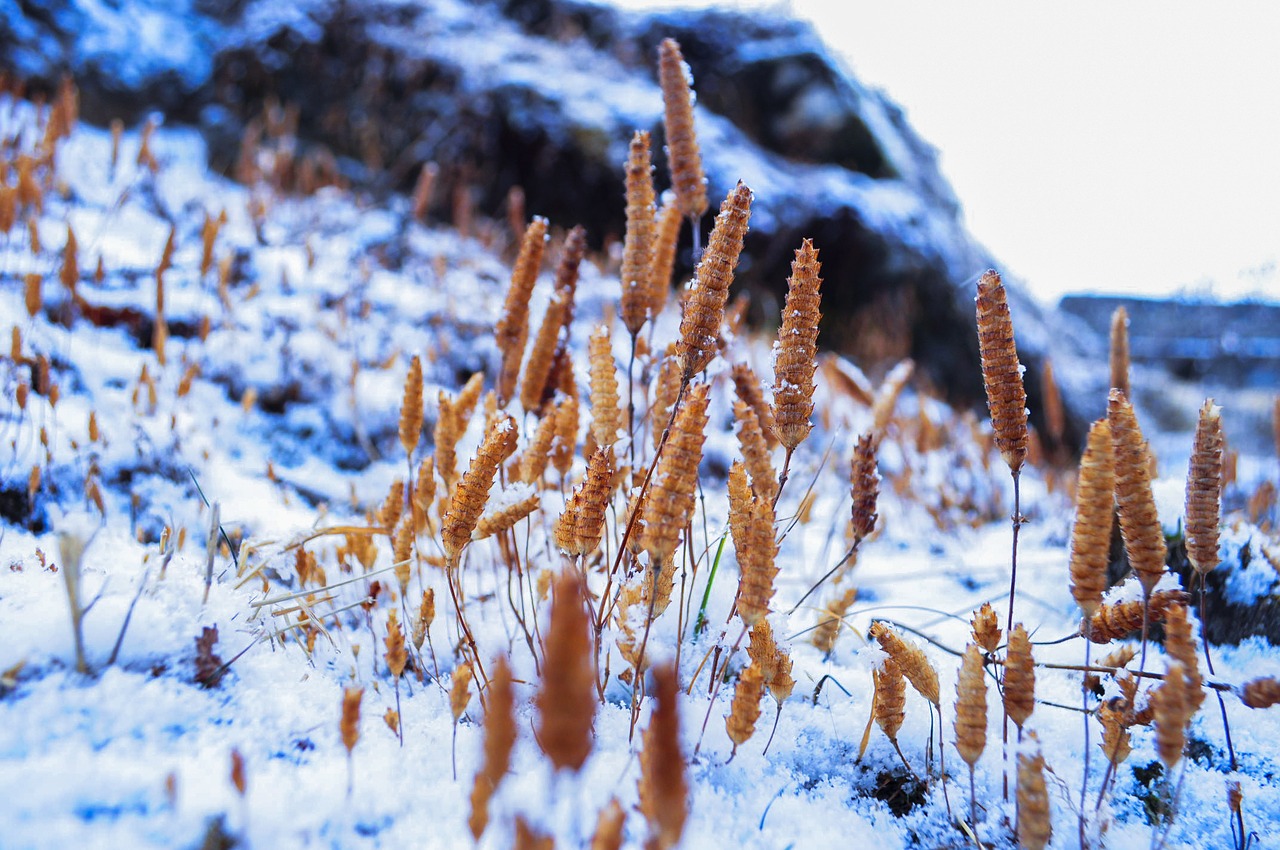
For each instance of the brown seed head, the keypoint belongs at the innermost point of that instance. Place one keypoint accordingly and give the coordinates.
(1120, 351)
(424, 491)
(1095, 507)
(608, 834)
(1034, 826)
(1019, 677)
(664, 787)
(472, 493)
(887, 398)
(512, 331)
(1139, 525)
(499, 741)
(747, 388)
(237, 771)
(1261, 693)
(1055, 416)
(533, 462)
(683, 157)
(460, 690)
(757, 550)
(606, 416)
(1180, 644)
(670, 499)
(1112, 622)
(666, 388)
(446, 433)
(580, 527)
(537, 370)
(890, 698)
(704, 312)
(426, 614)
(1173, 710)
(411, 407)
(396, 656)
(401, 551)
(830, 622)
(505, 517)
(763, 650)
(1001, 372)
(637, 250)
(31, 293)
(986, 628)
(971, 707)
(350, 725)
(565, 442)
(745, 710)
(69, 274)
(865, 487)
(665, 241)
(755, 452)
(1204, 490)
(796, 354)
(911, 661)
(566, 700)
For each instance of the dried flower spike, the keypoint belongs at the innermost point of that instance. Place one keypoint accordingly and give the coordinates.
(665, 241)
(971, 707)
(1055, 417)
(1034, 826)
(499, 741)
(1112, 622)
(566, 700)
(865, 487)
(1261, 693)
(747, 388)
(411, 407)
(1001, 372)
(1120, 351)
(350, 725)
(472, 493)
(704, 312)
(670, 499)
(1139, 525)
(757, 550)
(683, 157)
(911, 660)
(664, 787)
(606, 416)
(608, 834)
(986, 628)
(512, 331)
(1173, 711)
(1095, 507)
(1019, 677)
(637, 246)
(755, 451)
(580, 527)
(827, 631)
(889, 701)
(796, 354)
(745, 711)
(1204, 490)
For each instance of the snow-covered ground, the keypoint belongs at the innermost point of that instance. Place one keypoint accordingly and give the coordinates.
(285, 416)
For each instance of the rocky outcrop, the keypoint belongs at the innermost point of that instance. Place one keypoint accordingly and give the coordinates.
(545, 94)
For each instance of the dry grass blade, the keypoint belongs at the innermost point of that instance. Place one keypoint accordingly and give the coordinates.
(683, 157)
(1120, 351)
(499, 740)
(512, 331)
(664, 786)
(1001, 372)
(1139, 525)
(1019, 677)
(637, 246)
(911, 661)
(472, 493)
(566, 699)
(1095, 508)
(1034, 825)
(796, 354)
(606, 416)
(1204, 490)
(704, 312)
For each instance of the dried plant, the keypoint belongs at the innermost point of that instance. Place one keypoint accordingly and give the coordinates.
(499, 740)
(608, 834)
(1173, 708)
(565, 441)
(886, 399)
(537, 370)
(1260, 693)
(889, 700)
(1204, 490)
(1055, 417)
(986, 628)
(911, 661)
(1001, 372)
(411, 408)
(1180, 645)
(683, 157)
(579, 529)
(1112, 622)
(31, 293)
(1120, 351)
(757, 550)
(1095, 508)
(446, 433)
(796, 353)
(350, 725)
(637, 250)
(755, 451)
(747, 387)
(505, 517)
(664, 786)
(606, 417)
(566, 699)
(1139, 525)
(745, 710)
(704, 312)
(665, 392)
(971, 718)
(1019, 678)
(831, 620)
(665, 241)
(865, 487)
(473, 490)
(1034, 826)
(512, 331)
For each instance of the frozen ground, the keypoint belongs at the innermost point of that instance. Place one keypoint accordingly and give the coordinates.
(289, 425)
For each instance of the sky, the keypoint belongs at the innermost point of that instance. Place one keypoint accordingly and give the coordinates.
(1130, 148)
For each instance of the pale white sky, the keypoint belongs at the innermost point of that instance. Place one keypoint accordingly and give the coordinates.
(1095, 146)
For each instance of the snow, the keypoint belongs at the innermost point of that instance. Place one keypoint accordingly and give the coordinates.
(86, 760)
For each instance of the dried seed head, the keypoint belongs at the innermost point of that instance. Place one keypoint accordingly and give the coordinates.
(581, 525)
(683, 157)
(1173, 710)
(528, 838)
(472, 492)
(1095, 507)
(745, 711)
(890, 698)
(401, 551)
(670, 500)
(350, 725)
(831, 621)
(1001, 372)
(392, 506)
(606, 416)
(887, 398)
(865, 487)
(747, 388)
(665, 390)
(1115, 719)
(566, 700)
(424, 491)
(1261, 693)
(1112, 622)
(31, 294)
(69, 274)
(608, 834)
(796, 354)
(1181, 646)
(237, 771)
(755, 452)
(757, 549)
(565, 442)
(763, 650)
(460, 690)
(1120, 351)
(1034, 827)
(512, 331)
(411, 407)
(971, 707)
(396, 656)
(446, 433)
(637, 250)
(512, 511)
(704, 312)
(664, 787)
(911, 661)
(782, 684)
(426, 614)
(1055, 417)
(665, 241)
(1204, 490)
(986, 628)
(1139, 525)
(533, 463)
(499, 741)
(1019, 677)
(537, 370)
